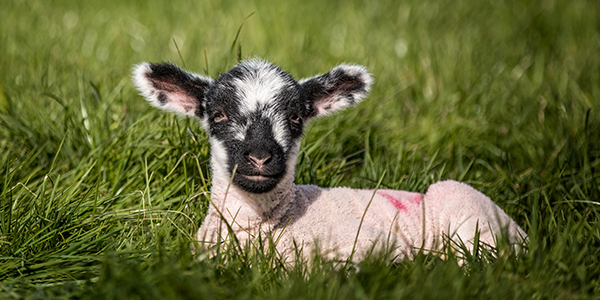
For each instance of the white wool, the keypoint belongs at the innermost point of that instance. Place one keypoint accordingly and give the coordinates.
(404, 221)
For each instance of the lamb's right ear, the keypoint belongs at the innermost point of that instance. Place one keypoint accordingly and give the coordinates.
(168, 87)
(343, 86)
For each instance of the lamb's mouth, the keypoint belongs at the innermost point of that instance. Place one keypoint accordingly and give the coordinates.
(257, 184)
(256, 177)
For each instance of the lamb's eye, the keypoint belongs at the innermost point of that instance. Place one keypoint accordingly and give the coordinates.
(295, 118)
(219, 116)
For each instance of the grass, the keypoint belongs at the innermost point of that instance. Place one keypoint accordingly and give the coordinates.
(100, 195)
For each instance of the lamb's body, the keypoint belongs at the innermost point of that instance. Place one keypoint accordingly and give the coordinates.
(254, 116)
(332, 216)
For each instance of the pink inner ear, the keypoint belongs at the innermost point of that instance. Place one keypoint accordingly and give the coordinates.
(330, 103)
(177, 99)
(182, 101)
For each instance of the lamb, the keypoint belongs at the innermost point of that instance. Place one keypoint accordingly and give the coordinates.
(254, 116)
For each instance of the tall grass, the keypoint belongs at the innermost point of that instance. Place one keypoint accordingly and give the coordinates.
(100, 195)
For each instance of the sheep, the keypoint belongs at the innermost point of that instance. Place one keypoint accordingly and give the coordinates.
(254, 116)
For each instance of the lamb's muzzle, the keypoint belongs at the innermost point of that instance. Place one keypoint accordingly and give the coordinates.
(255, 115)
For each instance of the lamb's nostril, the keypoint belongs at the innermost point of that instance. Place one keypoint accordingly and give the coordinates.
(259, 162)
(267, 159)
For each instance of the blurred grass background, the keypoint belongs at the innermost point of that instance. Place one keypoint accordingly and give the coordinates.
(100, 194)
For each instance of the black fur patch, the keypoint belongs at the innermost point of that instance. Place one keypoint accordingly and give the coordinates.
(260, 143)
(162, 98)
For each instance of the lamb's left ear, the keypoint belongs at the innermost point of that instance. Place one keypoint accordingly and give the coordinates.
(170, 88)
(343, 86)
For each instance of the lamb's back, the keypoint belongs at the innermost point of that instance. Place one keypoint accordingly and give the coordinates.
(332, 216)
(407, 221)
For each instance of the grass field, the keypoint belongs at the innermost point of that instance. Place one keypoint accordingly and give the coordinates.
(100, 194)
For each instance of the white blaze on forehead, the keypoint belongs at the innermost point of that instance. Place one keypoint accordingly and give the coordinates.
(257, 91)
(260, 86)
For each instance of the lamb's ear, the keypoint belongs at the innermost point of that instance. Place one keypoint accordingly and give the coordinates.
(168, 87)
(343, 86)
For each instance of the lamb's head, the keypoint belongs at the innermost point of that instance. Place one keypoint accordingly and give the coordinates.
(254, 114)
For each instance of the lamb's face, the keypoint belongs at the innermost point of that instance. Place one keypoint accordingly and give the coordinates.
(254, 114)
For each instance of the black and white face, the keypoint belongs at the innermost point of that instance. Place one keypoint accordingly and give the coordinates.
(255, 118)
(254, 114)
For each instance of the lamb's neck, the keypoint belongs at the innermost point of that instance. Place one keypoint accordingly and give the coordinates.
(251, 209)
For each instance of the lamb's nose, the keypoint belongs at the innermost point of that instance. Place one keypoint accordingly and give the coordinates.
(259, 162)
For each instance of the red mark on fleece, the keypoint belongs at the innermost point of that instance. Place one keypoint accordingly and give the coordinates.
(415, 198)
(399, 206)
(401, 196)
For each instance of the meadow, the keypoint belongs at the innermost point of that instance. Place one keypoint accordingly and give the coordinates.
(100, 194)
